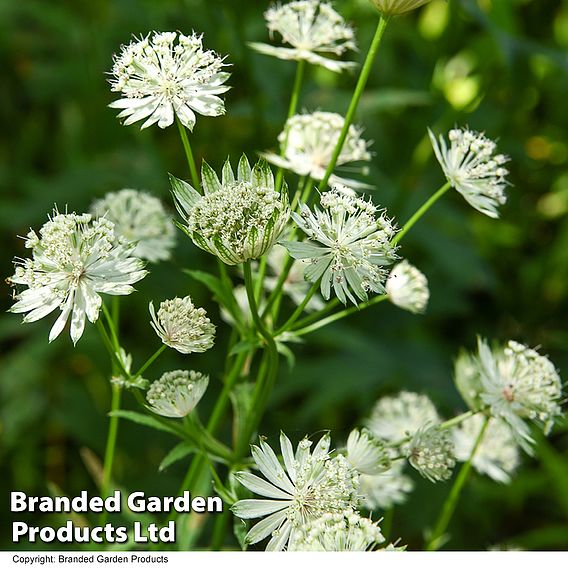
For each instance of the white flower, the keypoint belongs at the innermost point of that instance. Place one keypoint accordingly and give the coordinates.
(309, 485)
(182, 326)
(473, 168)
(338, 532)
(395, 418)
(366, 453)
(431, 452)
(74, 259)
(236, 219)
(167, 75)
(313, 29)
(383, 491)
(140, 218)
(407, 288)
(309, 141)
(348, 245)
(176, 393)
(498, 454)
(517, 383)
(397, 7)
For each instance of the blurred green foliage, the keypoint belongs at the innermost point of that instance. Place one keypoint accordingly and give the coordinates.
(496, 65)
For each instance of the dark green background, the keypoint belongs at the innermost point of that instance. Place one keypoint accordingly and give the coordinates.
(495, 65)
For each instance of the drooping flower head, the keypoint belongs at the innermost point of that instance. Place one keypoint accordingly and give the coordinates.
(498, 454)
(313, 29)
(431, 452)
(140, 218)
(383, 491)
(176, 393)
(338, 532)
(395, 418)
(407, 288)
(366, 453)
(517, 383)
(349, 244)
(309, 141)
(473, 167)
(75, 258)
(167, 75)
(307, 486)
(397, 7)
(182, 326)
(237, 219)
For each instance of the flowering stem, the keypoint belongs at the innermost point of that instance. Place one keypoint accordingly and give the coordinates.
(449, 507)
(410, 223)
(188, 155)
(299, 310)
(300, 68)
(457, 419)
(339, 315)
(359, 88)
(156, 354)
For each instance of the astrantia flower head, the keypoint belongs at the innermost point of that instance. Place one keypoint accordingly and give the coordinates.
(366, 453)
(168, 75)
(472, 166)
(349, 243)
(309, 140)
(431, 452)
(383, 491)
(237, 219)
(518, 384)
(176, 393)
(338, 532)
(74, 259)
(395, 418)
(498, 454)
(313, 29)
(140, 218)
(397, 7)
(309, 485)
(182, 326)
(407, 288)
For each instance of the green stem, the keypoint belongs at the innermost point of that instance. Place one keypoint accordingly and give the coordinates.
(300, 68)
(300, 309)
(339, 315)
(359, 88)
(145, 366)
(219, 530)
(110, 446)
(188, 154)
(451, 502)
(457, 419)
(410, 223)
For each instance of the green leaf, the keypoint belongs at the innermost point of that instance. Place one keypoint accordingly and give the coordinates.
(209, 179)
(185, 196)
(212, 283)
(241, 399)
(177, 453)
(243, 170)
(227, 175)
(244, 345)
(144, 420)
(287, 353)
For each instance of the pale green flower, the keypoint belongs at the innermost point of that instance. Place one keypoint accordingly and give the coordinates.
(349, 242)
(431, 452)
(308, 485)
(75, 258)
(397, 7)
(176, 393)
(473, 168)
(313, 29)
(366, 453)
(407, 288)
(168, 75)
(237, 219)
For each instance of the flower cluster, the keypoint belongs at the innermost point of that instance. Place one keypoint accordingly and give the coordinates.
(313, 29)
(431, 452)
(140, 218)
(237, 219)
(307, 143)
(472, 166)
(407, 288)
(182, 326)
(515, 382)
(309, 485)
(75, 258)
(176, 393)
(168, 75)
(366, 453)
(348, 246)
(397, 7)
